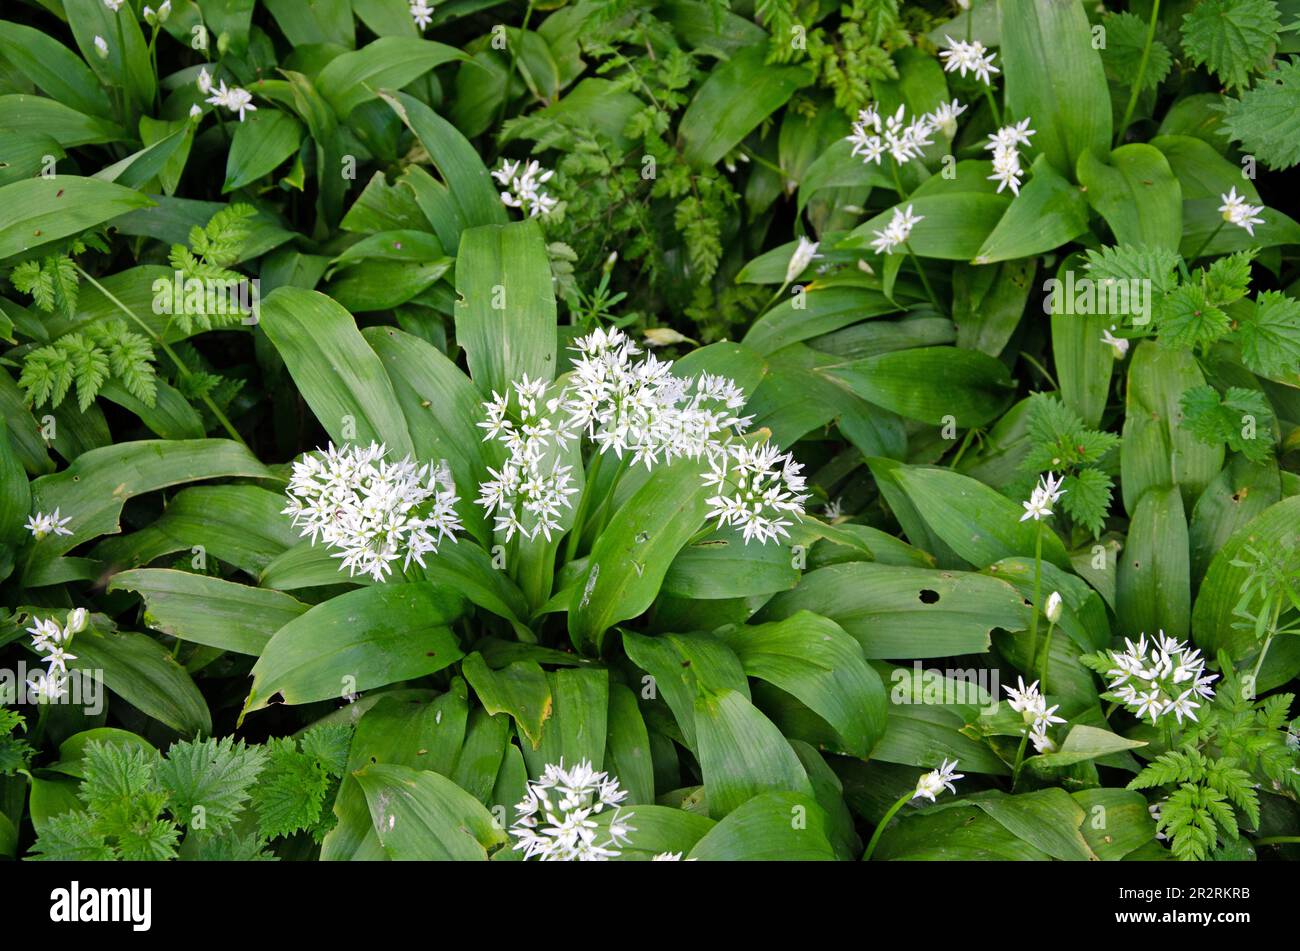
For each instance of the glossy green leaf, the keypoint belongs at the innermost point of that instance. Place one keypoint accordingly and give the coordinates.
(208, 610)
(362, 639)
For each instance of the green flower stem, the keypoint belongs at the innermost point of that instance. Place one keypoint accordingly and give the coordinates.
(898, 179)
(1206, 243)
(1047, 653)
(181, 368)
(925, 281)
(514, 62)
(1279, 840)
(1020, 758)
(993, 104)
(584, 504)
(1141, 73)
(1038, 591)
(875, 836)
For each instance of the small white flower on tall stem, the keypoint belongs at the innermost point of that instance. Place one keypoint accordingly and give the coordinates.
(1236, 211)
(967, 57)
(421, 13)
(233, 98)
(1044, 496)
(933, 783)
(897, 232)
(758, 488)
(523, 187)
(41, 525)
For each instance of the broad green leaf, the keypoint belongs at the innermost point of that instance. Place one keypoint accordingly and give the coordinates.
(390, 62)
(240, 525)
(15, 493)
(424, 816)
(737, 96)
(340, 377)
(576, 729)
(978, 523)
(742, 753)
(1220, 591)
(37, 211)
(465, 176)
(423, 377)
(906, 612)
(55, 69)
(1083, 361)
(953, 227)
(632, 555)
(505, 318)
(820, 311)
(813, 659)
(208, 610)
(1157, 450)
(682, 667)
(260, 143)
(976, 387)
(721, 565)
(144, 674)
(772, 827)
(1234, 497)
(627, 752)
(94, 488)
(1048, 212)
(68, 127)
(414, 730)
(520, 689)
(1054, 77)
(1128, 823)
(1083, 743)
(1153, 584)
(1137, 193)
(362, 639)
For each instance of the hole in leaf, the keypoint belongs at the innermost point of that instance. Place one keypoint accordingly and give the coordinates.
(928, 596)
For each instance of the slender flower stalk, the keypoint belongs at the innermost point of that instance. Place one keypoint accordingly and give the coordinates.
(929, 786)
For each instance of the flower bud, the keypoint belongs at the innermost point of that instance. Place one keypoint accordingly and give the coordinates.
(1053, 609)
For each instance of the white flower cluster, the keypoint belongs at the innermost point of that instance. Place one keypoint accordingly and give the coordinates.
(1044, 496)
(972, 57)
(52, 639)
(872, 137)
(1033, 708)
(639, 406)
(1236, 211)
(421, 13)
(896, 232)
(41, 525)
(627, 402)
(1159, 677)
(372, 511)
(525, 484)
(232, 97)
(556, 821)
(933, 783)
(758, 487)
(1006, 154)
(522, 184)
